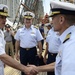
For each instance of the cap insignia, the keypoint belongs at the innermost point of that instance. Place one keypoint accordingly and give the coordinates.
(5, 9)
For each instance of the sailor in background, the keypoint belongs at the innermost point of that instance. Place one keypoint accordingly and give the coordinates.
(49, 26)
(27, 39)
(41, 28)
(52, 45)
(8, 34)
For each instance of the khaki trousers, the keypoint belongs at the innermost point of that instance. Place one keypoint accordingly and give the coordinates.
(9, 46)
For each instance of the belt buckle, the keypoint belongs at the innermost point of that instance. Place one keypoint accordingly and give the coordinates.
(27, 48)
(51, 54)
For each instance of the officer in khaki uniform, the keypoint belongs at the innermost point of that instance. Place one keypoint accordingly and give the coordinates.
(27, 39)
(8, 34)
(63, 21)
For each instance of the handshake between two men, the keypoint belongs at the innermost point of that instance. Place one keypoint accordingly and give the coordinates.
(33, 70)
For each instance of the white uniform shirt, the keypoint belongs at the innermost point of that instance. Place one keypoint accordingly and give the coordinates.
(28, 37)
(53, 41)
(2, 51)
(65, 60)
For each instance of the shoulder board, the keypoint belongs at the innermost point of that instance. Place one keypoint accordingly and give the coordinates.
(67, 37)
(36, 27)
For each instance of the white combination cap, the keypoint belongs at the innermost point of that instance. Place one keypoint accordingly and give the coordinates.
(58, 7)
(28, 15)
(4, 10)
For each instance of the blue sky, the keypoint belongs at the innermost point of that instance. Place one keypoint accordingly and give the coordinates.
(46, 4)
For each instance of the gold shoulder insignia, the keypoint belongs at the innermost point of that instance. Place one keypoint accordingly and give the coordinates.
(67, 37)
(36, 27)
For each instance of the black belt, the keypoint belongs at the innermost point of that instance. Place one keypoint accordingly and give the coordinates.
(53, 54)
(28, 48)
(8, 41)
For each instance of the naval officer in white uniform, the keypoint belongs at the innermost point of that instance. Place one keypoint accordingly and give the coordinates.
(27, 39)
(63, 20)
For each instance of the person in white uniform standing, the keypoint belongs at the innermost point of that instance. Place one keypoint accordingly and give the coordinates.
(52, 45)
(27, 39)
(63, 20)
(4, 58)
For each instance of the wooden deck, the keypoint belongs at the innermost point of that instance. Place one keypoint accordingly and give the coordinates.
(11, 71)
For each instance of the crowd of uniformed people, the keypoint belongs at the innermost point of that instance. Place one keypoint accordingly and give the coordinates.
(23, 44)
(27, 39)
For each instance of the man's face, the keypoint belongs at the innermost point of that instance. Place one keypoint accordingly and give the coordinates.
(2, 21)
(27, 22)
(56, 23)
(8, 29)
(48, 27)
